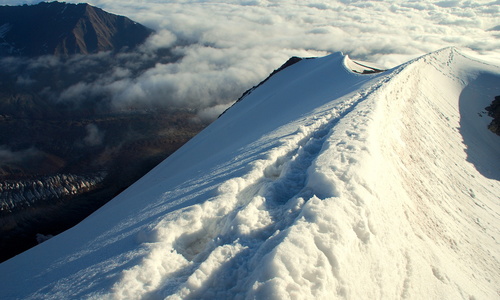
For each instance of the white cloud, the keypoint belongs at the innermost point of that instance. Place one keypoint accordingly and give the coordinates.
(94, 136)
(211, 113)
(228, 46)
(8, 156)
(24, 81)
(162, 39)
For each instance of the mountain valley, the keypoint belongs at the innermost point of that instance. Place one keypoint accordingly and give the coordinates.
(65, 150)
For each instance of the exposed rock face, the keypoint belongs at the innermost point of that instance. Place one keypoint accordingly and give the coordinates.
(494, 111)
(19, 194)
(64, 29)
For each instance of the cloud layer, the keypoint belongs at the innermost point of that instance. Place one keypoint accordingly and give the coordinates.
(228, 46)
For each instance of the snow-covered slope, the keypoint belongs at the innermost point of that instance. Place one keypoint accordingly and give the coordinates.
(320, 184)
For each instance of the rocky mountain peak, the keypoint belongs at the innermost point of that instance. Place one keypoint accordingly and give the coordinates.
(63, 29)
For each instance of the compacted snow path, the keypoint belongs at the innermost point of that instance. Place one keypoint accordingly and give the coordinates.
(319, 184)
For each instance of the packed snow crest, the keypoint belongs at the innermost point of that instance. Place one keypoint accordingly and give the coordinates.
(321, 183)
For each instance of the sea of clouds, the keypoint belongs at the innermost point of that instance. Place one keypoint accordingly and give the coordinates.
(225, 47)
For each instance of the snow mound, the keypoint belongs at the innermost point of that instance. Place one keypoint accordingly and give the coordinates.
(361, 66)
(320, 184)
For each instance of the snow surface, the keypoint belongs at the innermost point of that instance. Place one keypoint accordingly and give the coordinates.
(320, 184)
(362, 67)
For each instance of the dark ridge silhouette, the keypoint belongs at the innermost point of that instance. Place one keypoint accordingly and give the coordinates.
(494, 112)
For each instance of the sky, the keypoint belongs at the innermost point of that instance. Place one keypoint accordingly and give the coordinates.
(229, 46)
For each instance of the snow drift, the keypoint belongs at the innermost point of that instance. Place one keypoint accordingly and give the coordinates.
(319, 184)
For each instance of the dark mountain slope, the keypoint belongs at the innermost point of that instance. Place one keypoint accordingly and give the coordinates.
(60, 160)
(64, 29)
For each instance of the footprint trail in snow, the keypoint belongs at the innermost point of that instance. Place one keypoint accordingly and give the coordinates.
(319, 184)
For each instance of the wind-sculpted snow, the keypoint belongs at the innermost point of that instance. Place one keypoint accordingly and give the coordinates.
(319, 184)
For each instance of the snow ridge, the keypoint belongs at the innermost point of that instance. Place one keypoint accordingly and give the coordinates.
(265, 202)
(346, 186)
(250, 217)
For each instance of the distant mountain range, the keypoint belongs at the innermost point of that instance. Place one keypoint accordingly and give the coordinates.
(63, 29)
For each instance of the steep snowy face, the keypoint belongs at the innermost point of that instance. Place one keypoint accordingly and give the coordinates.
(320, 184)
